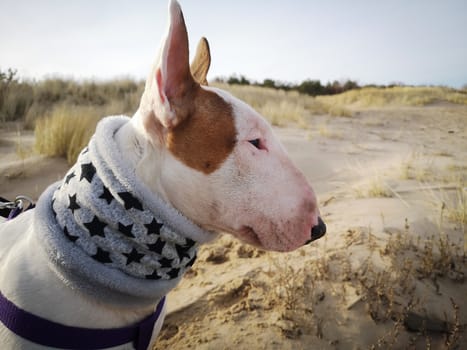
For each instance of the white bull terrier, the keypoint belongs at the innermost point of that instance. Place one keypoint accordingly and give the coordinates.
(90, 266)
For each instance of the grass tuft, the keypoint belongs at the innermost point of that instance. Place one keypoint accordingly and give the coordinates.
(376, 187)
(66, 131)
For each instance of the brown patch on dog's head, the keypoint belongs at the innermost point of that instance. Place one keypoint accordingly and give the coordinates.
(194, 124)
(207, 136)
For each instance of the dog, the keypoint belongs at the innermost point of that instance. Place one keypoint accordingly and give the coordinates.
(90, 266)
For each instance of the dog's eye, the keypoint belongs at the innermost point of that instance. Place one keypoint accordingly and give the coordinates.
(255, 142)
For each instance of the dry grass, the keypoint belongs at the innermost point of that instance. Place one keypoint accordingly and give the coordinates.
(280, 107)
(67, 126)
(66, 131)
(417, 167)
(379, 188)
(374, 186)
(64, 127)
(452, 203)
(454, 208)
(396, 96)
(21, 149)
(325, 131)
(456, 211)
(390, 293)
(283, 107)
(28, 101)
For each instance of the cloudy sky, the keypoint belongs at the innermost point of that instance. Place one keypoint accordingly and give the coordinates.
(371, 41)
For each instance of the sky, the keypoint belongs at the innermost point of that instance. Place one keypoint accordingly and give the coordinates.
(414, 42)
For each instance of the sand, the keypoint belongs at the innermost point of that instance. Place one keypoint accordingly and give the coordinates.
(390, 273)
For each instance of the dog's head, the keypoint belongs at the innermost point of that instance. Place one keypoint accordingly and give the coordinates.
(216, 159)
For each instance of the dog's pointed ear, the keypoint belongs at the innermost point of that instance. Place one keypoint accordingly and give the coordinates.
(201, 63)
(173, 74)
(166, 101)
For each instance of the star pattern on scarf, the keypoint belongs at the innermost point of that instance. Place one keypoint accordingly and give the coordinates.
(73, 205)
(130, 201)
(68, 235)
(166, 262)
(133, 256)
(69, 177)
(173, 273)
(102, 256)
(106, 195)
(189, 243)
(126, 230)
(182, 251)
(96, 202)
(191, 262)
(153, 276)
(154, 227)
(157, 247)
(95, 227)
(87, 172)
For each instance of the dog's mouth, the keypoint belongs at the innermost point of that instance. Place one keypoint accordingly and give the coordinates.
(252, 237)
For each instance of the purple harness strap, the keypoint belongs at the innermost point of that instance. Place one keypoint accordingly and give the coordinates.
(44, 332)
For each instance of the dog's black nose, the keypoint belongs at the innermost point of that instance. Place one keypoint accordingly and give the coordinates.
(318, 231)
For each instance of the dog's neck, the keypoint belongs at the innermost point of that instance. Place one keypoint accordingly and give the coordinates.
(141, 154)
(101, 225)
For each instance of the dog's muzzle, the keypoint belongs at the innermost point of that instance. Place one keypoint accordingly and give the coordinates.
(317, 231)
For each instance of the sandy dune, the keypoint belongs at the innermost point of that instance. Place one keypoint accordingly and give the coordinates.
(390, 273)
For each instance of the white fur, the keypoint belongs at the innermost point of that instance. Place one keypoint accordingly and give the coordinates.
(26, 279)
(257, 189)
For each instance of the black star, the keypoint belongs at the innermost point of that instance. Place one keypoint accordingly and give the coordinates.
(126, 230)
(133, 256)
(130, 201)
(189, 243)
(106, 195)
(73, 205)
(157, 247)
(191, 262)
(154, 227)
(69, 177)
(182, 252)
(102, 256)
(173, 273)
(67, 234)
(153, 276)
(87, 172)
(96, 227)
(166, 262)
